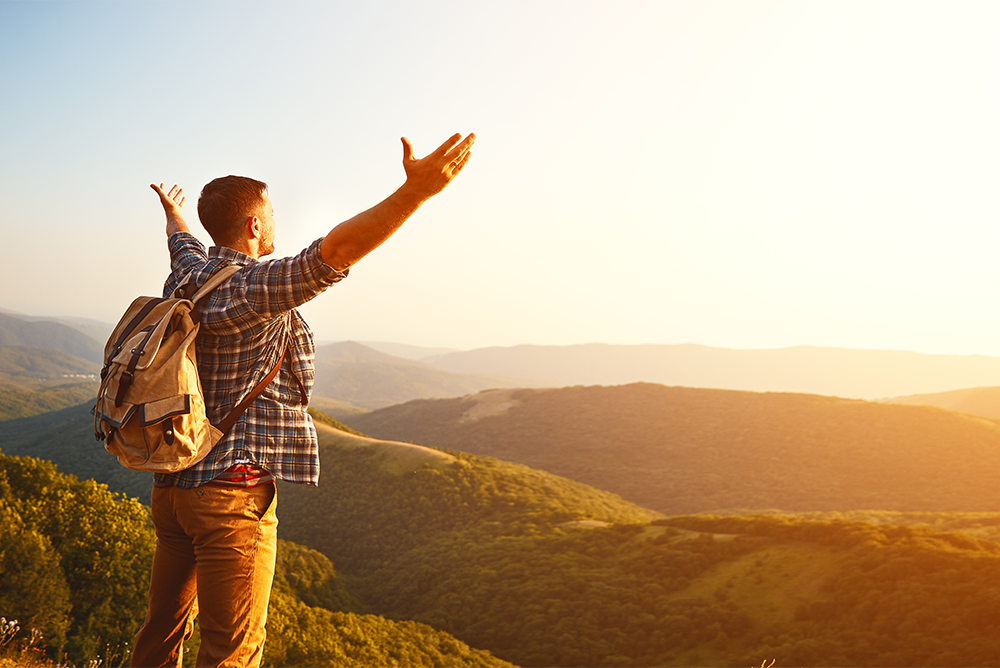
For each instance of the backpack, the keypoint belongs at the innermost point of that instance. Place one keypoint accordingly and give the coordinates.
(150, 410)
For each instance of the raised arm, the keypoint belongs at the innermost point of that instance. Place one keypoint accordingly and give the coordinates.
(354, 238)
(172, 203)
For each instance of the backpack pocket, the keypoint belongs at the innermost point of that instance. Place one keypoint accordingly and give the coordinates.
(162, 436)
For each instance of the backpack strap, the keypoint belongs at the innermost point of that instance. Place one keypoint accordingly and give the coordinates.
(149, 306)
(240, 408)
(215, 280)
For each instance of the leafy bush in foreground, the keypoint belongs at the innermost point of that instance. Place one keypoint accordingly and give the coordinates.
(76, 558)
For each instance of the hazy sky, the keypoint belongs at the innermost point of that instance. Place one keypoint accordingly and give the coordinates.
(743, 174)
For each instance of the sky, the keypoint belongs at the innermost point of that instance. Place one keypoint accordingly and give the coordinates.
(743, 174)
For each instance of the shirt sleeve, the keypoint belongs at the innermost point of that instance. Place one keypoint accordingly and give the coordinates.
(187, 254)
(276, 286)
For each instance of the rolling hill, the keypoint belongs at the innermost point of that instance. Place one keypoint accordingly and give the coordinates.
(984, 401)
(864, 374)
(36, 363)
(440, 551)
(49, 334)
(21, 397)
(66, 437)
(37, 380)
(682, 450)
(543, 573)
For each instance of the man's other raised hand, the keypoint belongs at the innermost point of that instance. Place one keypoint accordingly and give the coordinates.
(427, 176)
(172, 202)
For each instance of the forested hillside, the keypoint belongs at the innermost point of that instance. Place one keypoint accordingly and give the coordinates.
(24, 397)
(528, 569)
(439, 551)
(683, 450)
(74, 558)
(35, 363)
(66, 437)
(74, 566)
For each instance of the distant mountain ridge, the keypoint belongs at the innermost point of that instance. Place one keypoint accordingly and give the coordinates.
(44, 366)
(419, 353)
(684, 450)
(400, 372)
(984, 401)
(16, 331)
(841, 372)
(364, 377)
(392, 373)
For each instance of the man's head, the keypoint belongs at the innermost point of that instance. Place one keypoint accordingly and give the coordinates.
(236, 212)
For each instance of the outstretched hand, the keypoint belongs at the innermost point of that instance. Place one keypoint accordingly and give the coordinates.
(430, 175)
(172, 203)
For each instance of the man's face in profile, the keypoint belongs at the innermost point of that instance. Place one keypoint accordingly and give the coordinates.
(267, 224)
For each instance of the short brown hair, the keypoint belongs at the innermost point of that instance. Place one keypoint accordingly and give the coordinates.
(225, 204)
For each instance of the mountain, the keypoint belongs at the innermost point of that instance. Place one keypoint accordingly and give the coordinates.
(984, 401)
(51, 335)
(363, 377)
(863, 374)
(21, 397)
(44, 364)
(406, 351)
(380, 476)
(543, 571)
(76, 559)
(682, 450)
(66, 437)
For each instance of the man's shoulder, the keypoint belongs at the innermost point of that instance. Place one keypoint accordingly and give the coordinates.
(185, 242)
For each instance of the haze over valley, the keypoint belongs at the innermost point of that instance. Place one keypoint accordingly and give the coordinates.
(520, 506)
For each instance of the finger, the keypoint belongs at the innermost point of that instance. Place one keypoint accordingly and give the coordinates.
(407, 149)
(460, 163)
(160, 192)
(463, 148)
(446, 146)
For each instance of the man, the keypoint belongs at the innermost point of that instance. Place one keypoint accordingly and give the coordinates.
(215, 522)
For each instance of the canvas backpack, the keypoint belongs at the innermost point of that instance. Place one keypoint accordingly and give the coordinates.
(150, 410)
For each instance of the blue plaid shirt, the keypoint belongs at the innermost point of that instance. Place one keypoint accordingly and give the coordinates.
(244, 325)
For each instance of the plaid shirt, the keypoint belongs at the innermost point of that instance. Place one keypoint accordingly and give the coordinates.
(244, 324)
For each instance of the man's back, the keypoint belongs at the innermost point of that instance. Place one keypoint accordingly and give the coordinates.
(246, 326)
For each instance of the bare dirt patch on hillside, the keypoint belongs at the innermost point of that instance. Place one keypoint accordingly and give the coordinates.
(391, 456)
(488, 404)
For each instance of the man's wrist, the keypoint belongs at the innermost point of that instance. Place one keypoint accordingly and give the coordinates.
(174, 226)
(411, 196)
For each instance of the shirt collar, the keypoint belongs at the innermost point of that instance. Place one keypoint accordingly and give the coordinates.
(228, 253)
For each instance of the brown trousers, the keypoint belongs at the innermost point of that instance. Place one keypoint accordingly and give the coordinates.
(214, 559)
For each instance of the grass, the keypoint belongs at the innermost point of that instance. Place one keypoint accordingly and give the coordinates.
(390, 456)
(22, 651)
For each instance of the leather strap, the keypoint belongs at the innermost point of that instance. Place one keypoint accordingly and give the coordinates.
(149, 306)
(234, 415)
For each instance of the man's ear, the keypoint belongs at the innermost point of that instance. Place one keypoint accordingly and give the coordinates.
(253, 227)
